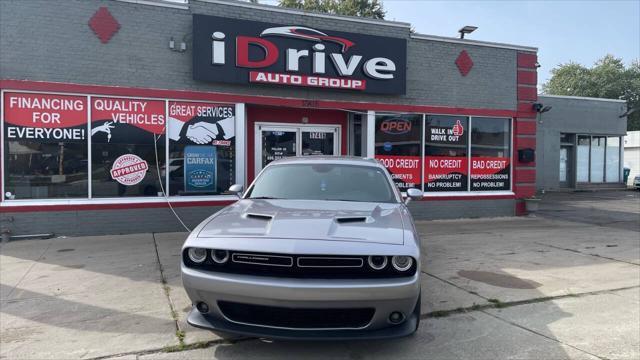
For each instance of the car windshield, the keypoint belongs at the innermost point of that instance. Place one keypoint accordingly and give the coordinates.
(323, 182)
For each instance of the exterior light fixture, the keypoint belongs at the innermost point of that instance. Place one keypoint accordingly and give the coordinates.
(466, 30)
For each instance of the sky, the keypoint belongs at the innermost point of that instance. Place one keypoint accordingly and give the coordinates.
(563, 31)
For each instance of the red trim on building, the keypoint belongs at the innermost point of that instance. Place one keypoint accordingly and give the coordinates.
(526, 127)
(527, 93)
(527, 77)
(527, 60)
(520, 208)
(250, 99)
(40, 208)
(527, 175)
(525, 190)
(525, 109)
(290, 116)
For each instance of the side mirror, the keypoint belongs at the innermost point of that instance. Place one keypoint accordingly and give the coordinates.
(413, 194)
(236, 189)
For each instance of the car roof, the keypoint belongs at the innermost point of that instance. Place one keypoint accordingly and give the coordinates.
(327, 159)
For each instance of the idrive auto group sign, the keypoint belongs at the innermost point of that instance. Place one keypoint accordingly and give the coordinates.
(241, 51)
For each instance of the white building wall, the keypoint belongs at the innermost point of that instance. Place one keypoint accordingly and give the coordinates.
(632, 154)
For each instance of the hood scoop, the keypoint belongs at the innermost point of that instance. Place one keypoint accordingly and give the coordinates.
(351, 219)
(257, 216)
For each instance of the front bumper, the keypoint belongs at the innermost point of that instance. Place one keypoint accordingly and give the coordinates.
(383, 295)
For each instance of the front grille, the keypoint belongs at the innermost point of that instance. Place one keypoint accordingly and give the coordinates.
(298, 266)
(296, 318)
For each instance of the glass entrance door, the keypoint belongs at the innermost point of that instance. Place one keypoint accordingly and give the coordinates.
(318, 141)
(274, 142)
(566, 166)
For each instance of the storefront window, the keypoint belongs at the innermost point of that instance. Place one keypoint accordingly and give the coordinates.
(598, 144)
(490, 154)
(201, 148)
(582, 162)
(613, 160)
(45, 146)
(446, 150)
(398, 141)
(127, 147)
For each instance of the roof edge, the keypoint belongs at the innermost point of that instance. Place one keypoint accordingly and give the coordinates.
(279, 9)
(473, 42)
(582, 98)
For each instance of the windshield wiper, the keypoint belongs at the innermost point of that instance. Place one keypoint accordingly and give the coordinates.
(264, 198)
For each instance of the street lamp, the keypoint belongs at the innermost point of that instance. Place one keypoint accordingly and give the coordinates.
(467, 30)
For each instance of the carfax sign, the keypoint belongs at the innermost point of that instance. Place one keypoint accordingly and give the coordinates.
(242, 51)
(200, 168)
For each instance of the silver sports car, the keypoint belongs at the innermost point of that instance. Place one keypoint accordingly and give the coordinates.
(316, 248)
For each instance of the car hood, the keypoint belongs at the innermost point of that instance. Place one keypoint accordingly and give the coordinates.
(307, 219)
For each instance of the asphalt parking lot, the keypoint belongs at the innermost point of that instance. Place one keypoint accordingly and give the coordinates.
(562, 284)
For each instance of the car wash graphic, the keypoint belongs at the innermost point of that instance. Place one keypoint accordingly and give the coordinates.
(242, 51)
(446, 163)
(45, 118)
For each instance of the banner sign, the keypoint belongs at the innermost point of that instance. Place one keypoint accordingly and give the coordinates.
(45, 117)
(126, 121)
(445, 173)
(446, 163)
(405, 170)
(200, 168)
(398, 141)
(490, 173)
(201, 123)
(242, 51)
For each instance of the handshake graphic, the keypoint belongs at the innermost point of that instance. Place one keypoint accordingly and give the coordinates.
(202, 132)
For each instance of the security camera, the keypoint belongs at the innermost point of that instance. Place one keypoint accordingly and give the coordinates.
(537, 107)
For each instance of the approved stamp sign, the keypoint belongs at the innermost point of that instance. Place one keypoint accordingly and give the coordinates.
(129, 169)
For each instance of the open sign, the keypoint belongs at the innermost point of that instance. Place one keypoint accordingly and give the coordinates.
(395, 126)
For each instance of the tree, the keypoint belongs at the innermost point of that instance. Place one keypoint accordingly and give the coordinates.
(362, 8)
(608, 78)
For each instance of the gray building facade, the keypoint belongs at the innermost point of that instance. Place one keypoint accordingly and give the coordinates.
(137, 57)
(579, 143)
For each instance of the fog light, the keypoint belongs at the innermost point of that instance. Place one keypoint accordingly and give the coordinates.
(377, 262)
(402, 263)
(202, 307)
(396, 317)
(220, 256)
(197, 255)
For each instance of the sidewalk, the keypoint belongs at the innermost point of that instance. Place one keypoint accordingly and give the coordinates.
(540, 287)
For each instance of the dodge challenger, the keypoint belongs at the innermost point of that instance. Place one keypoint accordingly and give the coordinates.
(315, 248)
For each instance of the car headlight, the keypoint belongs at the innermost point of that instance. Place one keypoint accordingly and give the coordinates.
(402, 263)
(197, 255)
(377, 262)
(220, 256)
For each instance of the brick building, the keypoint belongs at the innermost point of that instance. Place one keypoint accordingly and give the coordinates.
(112, 110)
